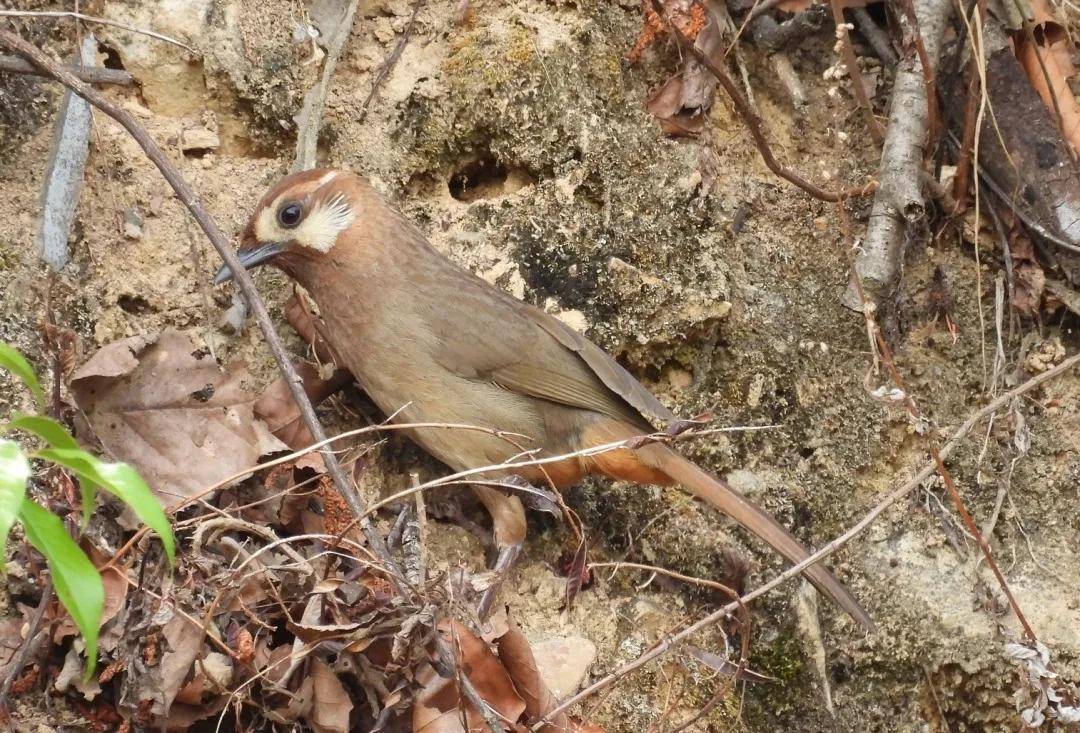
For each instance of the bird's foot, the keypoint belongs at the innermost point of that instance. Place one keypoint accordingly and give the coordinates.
(508, 557)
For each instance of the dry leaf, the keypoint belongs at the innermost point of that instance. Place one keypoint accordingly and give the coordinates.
(185, 640)
(166, 408)
(277, 408)
(330, 702)
(1054, 52)
(437, 705)
(517, 657)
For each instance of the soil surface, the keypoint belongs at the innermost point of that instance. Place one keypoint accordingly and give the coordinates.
(517, 138)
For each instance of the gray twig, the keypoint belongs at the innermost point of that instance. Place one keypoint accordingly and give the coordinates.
(898, 202)
(309, 119)
(93, 19)
(66, 170)
(391, 60)
(28, 643)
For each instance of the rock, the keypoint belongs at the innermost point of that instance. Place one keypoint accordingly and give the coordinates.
(563, 662)
(199, 138)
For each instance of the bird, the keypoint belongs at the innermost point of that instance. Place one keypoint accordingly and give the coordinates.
(431, 342)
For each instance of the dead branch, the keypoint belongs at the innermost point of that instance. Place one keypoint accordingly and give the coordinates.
(388, 65)
(29, 642)
(877, 38)
(92, 19)
(750, 118)
(309, 119)
(17, 45)
(89, 74)
(66, 169)
(898, 203)
(888, 500)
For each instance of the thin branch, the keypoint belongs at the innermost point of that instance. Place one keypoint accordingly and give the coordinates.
(310, 118)
(751, 120)
(388, 65)
(903, 490)
(187, 196)
(93, 19)
(89, 74)
(28, 643)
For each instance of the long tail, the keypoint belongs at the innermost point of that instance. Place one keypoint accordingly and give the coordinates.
(653, 463)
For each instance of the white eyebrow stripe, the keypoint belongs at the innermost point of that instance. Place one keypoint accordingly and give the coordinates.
(327, 177)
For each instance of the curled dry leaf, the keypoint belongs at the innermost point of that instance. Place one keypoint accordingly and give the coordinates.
(165, 407)
(437, 708)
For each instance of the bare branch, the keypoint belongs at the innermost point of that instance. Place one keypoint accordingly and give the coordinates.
(89, 74)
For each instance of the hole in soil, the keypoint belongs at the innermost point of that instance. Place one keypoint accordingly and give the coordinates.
(484, 177)
(112, 58)
(133, 304)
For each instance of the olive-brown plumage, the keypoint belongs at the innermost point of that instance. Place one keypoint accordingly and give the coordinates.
(431, 342)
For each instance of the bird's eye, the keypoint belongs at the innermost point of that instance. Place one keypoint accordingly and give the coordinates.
(290, 215)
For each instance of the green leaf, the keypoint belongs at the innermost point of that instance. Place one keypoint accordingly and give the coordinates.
(122, 481)
(14, 473)
(45, 428)
(57, 436)
(77, 582)
(14, 362)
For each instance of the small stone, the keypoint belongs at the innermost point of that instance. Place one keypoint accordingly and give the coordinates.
(563, 662)
(199, 139)
(132, 223)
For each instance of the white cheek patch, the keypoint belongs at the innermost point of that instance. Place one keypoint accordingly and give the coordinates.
(266, 229)
(320, 228)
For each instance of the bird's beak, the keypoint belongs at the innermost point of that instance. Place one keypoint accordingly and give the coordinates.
(251, 257)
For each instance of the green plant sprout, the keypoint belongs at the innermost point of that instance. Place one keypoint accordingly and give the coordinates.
(77, 582)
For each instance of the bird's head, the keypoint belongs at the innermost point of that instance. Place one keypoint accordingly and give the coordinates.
(297, 221)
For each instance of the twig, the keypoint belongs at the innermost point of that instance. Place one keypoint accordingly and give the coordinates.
(898, 202)
(89, 74)
(391, 60)
(878, 39)
(309, 120)
(751, 120)
(971, 108)
(903, 490)
(92, 19)
(854, 73)
(28, 643)
(619, 564)
(66, 169)
(187, 196)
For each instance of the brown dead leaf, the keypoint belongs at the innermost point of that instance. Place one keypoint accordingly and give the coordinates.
(185, 641)
(517, 657)
(277, 408)
(166, 408)
(330, 702)
(437, 705)
(1053, 51)
(682, 103)
(116, 588)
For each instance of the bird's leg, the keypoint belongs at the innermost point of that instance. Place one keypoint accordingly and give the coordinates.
(508, 516)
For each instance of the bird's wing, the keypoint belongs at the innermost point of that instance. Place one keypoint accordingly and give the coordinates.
(532, 353)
